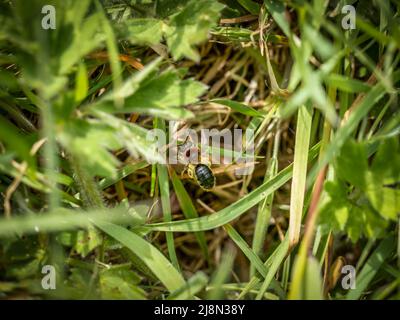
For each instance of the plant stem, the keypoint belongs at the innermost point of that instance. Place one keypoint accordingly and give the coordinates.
(88, 190)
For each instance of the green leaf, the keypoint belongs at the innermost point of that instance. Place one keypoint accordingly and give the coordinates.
(238, 107)
(298, 190)
(273, 262)
(222, 273)
(354, 216)
(346, 84)
(84, 139)
(190, 26)
(352, 163)
(377, 182)
(247, 251)
(15, 140)
(87, 240)
(277, 10)
(386, 200)
(250, 6)
(151, 256)
(122, 173)
(383, 178)
(63, 219)
(312, 285)
(82, 83)
(143, 31)
(161, 96)
(137, 140)
(120, 283)
(195, 284)
(77, 34)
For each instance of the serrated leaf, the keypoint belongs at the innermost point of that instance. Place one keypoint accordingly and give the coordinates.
(85, 139)
(383, 179)
(143, 31)
(120, 283)
(137, 140)
(190, 26)
(385, 200)
(86, 241)
(160, 96)
(352, 164)
(341, 213)
(46, 57)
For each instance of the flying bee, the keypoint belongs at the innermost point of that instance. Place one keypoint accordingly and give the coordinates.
(199, 172)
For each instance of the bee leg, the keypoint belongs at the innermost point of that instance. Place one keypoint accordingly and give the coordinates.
(190, 171)
(183, 172)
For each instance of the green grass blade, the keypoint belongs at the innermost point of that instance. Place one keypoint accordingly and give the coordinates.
(112, 51)
(264, 213)
(238, 107)
(303, 132)
(122, 173)
(313, 280)
(163, 182)
(150, 255)
(253, 258)
(254, 281)
(279, 257)
(189, 210)
(195, 284)
(64, 219)
(221, 274)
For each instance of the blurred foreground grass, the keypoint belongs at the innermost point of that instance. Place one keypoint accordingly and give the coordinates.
(81, 189)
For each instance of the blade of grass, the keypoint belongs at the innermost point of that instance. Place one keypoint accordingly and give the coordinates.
(112, 51)
(64, 219)
(254, 281)
(303, 132)
(238, 107)
(122, 173)
(221, 274)
(189, 210)
(313, 281)
(194, 285)
(279, 257)
(150, 255)
(265, 208)
(253, 258)
(165, 199)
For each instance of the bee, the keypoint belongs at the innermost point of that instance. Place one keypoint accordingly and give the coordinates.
(202, 174)
(199, 172)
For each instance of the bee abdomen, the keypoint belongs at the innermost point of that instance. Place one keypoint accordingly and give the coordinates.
(204, 176)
